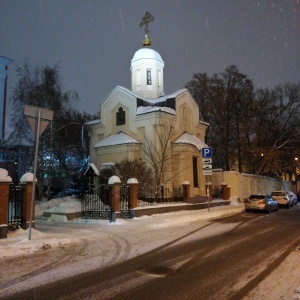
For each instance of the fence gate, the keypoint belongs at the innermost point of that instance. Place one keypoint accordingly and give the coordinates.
(15, 213)
(96, 204)
(124, 202)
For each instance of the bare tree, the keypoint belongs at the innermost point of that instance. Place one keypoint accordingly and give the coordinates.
(136, 168)
(42, 87)
(159, 151)
(225, 101)
(276, 136)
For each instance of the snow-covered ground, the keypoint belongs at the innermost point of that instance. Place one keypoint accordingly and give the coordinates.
(130, 238)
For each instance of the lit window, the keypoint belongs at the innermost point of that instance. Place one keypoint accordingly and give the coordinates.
(149, 81)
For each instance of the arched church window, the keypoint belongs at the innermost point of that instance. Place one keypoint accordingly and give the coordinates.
(149, 80)
(120, 116)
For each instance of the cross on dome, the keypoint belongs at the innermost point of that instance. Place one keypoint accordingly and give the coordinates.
(145, 21)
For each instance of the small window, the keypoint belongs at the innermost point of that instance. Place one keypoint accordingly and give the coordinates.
(184, 114)
(120, 117)
(149, 80)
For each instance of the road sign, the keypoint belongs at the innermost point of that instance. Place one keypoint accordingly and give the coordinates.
(207, 172)
(206, 152)
(42, 115)
(207, 167)
(206, 161)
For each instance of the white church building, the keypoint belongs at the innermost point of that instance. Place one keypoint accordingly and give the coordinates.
(144, 123)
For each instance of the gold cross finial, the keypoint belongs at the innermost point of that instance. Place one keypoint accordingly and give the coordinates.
(145, 21)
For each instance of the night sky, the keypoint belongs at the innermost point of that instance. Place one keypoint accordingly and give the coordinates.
(93, 42)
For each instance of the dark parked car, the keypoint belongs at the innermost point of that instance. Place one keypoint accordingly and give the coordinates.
(262, 202)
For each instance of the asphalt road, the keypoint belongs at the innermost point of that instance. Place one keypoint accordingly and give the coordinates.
(199, 268)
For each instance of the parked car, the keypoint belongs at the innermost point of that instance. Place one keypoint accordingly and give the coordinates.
(283, 198)
(261, 202)
(294, 198)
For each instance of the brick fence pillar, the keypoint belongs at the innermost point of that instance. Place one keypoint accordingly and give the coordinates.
(26, 182)
(225, 191)
(5, 182)
(27, 195)
(114, 182)
(186, 191)
(4, 195)
(133, 195)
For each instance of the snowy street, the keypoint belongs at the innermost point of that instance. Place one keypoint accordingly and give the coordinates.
(60, 249)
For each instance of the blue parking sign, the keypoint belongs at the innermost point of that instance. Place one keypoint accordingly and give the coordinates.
(207, 152)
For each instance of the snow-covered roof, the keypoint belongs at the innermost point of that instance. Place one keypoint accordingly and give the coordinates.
(187, 138)
(96, 171)
(109, 163)
(150, 101)
(116, 139)
(164, 98)
(92, 122)
(147, 109)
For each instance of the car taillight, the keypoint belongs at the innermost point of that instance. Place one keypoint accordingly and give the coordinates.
(262, 202)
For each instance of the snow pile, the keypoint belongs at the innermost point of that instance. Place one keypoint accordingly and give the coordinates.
(59, 206)
(18, 243)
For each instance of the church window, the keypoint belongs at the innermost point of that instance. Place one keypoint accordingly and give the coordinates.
(184, 115)
(149, 80)
(120, 116)
(138, 78)
(159, 78)
(195, 172)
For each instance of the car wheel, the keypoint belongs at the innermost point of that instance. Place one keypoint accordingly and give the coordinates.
(288, 205)
(277, 207)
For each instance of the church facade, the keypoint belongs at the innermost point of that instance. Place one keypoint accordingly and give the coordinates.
(145, 123)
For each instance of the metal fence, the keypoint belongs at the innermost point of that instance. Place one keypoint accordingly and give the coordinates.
(96, 203)
(15, 203)
(150, 196)
(124, 202)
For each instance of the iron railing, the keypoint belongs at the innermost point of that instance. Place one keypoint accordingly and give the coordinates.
(96, 204)
(15, 203)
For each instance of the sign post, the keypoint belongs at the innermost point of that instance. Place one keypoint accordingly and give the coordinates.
(207, 168)
(38, 119)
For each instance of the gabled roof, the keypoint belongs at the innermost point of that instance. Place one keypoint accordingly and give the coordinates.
(147, 105)
(148, 109)
(187, 138)
(93, 168)
(116, 139)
